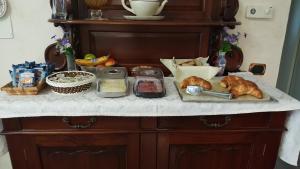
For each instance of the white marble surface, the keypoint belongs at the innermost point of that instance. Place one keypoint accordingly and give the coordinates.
(89, 104)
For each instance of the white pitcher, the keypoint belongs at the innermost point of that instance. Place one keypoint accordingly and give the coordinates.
(145, 7)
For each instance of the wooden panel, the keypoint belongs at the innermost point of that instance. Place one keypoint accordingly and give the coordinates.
(257, 120)
(17, 150)
(213, 151)
(144, 47)
(48, 123)
(148, 151)
(109, 151)
(209, 156)
(83, 158)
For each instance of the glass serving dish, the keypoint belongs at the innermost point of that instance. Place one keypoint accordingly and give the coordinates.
(113, 82)
(95, 7)
(149, 83)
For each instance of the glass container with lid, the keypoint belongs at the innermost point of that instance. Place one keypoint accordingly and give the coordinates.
(113, 82)
(149, 83)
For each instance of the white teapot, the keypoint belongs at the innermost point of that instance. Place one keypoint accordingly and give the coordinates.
(145, 7)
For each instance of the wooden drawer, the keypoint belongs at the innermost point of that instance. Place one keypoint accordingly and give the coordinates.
(48, 123)
(255, 120)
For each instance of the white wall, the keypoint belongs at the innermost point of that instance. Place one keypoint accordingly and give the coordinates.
(265, 38)
(32, 35)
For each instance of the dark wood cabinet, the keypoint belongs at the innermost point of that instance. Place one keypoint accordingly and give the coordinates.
(209, 150)
(248, 141)
(110, 151)
(213, 150)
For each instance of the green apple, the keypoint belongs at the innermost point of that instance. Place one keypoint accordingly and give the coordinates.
(89, 56)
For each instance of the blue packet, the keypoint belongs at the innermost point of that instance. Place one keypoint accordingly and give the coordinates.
(27, 78)
(29, 65)
(30, 73)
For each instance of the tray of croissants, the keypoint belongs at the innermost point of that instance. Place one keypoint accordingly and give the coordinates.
(220, 89)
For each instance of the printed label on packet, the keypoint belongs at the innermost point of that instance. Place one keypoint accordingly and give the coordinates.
(26, 79)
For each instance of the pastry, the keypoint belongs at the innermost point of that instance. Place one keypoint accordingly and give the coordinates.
(195, 81)
(246, 88)
(229, 81)
(239, 87)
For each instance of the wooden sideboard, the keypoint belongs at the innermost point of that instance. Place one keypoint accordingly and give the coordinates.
(191, 29)
(246, 141)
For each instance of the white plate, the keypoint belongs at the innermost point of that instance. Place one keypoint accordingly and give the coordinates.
(141, 18)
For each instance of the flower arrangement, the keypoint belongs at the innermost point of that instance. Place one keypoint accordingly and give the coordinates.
(229, 40)
(63, 45)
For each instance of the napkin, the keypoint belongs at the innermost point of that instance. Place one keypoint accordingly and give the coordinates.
(202, 69)
(290, 144)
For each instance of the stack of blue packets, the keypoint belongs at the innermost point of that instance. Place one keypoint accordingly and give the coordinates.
(30, 74)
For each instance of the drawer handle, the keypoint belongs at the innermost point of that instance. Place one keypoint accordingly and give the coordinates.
(90, 122)
(215, 125)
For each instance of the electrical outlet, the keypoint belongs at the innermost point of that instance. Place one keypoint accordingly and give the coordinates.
(259, 11)
(258, 68)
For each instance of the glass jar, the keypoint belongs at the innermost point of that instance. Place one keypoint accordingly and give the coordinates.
(59, 9)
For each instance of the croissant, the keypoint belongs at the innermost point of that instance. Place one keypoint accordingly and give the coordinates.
(246, 88)
(229, 81)
(196, 81)
(239, 86)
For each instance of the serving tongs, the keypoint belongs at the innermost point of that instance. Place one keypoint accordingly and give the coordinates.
(197, 90)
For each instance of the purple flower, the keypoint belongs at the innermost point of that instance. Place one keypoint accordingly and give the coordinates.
(65, 41)
(63, 45)
(231, 38)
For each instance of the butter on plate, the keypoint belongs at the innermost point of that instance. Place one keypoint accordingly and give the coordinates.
(113, 85)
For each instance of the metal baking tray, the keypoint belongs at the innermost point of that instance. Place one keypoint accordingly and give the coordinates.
(216, 87)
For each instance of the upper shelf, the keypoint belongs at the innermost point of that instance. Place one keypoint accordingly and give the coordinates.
(144, 23)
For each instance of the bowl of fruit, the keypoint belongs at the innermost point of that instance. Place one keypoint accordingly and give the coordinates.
(92, 64)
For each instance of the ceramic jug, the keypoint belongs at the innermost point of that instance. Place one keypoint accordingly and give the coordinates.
(145, 7)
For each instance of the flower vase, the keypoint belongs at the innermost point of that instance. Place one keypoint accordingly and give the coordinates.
(221, 62)
(70, 61)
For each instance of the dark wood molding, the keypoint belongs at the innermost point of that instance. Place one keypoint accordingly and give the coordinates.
(119, 22)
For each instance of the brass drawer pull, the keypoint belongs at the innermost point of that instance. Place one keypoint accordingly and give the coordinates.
(215, 125)
(90, 122)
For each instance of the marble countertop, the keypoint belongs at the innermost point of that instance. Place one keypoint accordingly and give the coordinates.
(88, 103)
